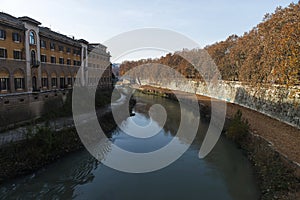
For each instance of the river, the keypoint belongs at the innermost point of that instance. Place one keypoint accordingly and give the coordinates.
(224, 174)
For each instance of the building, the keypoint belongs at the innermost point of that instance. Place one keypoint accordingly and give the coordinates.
(99, 64)
(35, 58)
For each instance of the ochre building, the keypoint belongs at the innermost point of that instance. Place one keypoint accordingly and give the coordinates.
(34, 58)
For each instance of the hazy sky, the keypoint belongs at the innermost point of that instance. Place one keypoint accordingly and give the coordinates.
(205, 21)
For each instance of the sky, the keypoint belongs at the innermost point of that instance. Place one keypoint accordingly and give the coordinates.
(204, 21)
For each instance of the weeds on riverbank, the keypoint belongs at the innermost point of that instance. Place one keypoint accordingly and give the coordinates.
(36, 151)
(276, 176)
(43, 144)
(239, 128)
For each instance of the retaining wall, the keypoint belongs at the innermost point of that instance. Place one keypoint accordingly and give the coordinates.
(277, 101)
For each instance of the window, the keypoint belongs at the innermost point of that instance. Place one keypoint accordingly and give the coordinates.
(84, 53)
(17, 54)
(61, 48)
(16, 37)
(62, 82)
(61, 61)
(43, 58)
(53, 82)
(78, 63)
(76, 52)
(3, 53)
(68, 61)
(53, 59)
(69, 81)
(31, 37)
(68, 50)
(52, 45)
(34, 83)
(33, 57)
(19, 83)
(44, 82)
(2, 34)
(43, 44)
(4, 84)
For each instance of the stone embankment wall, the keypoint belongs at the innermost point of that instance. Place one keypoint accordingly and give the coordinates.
(277, 101)
(27, 106)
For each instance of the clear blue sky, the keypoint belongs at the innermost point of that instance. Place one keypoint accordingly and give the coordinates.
(204, 21)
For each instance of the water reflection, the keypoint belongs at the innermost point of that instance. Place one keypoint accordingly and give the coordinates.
(224, 174)
(56, 181)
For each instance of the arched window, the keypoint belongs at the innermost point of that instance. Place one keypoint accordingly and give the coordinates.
(62, 80)
(31, 37)
(4, 80)
(44, 79)
(53, 80)
(34, 83)
(19, 80)
(69, 80)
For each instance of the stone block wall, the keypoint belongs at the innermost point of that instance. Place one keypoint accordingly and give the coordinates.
(277, 101)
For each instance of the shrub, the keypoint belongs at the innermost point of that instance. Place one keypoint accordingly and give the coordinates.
(238, 128)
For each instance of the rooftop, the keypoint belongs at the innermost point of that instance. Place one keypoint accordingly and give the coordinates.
(29, 20)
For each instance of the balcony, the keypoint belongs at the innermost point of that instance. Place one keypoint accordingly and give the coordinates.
(35, 63)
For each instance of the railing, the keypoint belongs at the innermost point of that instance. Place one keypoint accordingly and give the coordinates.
(35, 63)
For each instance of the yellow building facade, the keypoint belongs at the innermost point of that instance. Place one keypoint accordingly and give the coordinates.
(35, 58)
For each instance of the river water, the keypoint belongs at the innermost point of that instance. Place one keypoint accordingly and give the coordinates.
(224, 174)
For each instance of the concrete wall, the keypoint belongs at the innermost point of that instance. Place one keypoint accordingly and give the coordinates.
(276, 101)
(22, 107)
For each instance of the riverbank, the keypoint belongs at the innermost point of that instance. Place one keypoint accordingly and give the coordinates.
(42, 148)
(272, 147)
(42, 143)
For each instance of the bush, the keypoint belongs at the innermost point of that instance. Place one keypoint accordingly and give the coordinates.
(238, 128)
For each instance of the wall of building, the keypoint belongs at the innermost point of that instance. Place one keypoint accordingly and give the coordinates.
(60, 54)
(277, 101)
(11, 45)
(37, 74)
(99, 67)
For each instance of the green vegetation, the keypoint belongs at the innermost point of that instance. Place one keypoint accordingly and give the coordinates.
(43, 144)
(54, 109)
(36, 151)
(238, 128)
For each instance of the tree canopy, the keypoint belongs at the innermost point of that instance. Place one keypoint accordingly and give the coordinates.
(269, 53)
